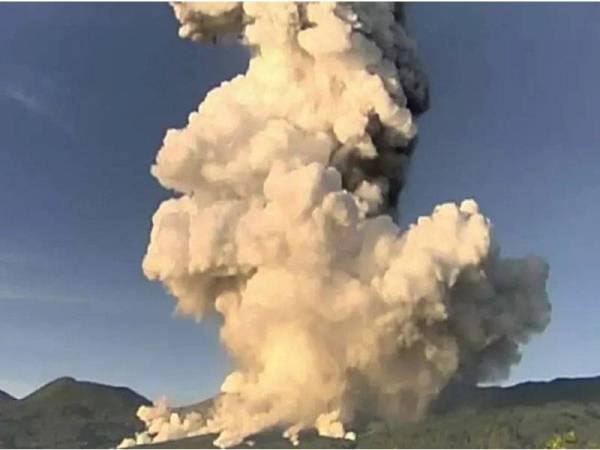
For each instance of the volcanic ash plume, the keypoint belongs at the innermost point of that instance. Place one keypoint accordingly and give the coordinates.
(287, 176)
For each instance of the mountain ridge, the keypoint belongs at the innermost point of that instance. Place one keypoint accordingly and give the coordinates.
(72, 414)
(528, 393)
(6, 397)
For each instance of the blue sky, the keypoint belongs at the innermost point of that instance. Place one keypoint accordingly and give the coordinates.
(87, 92)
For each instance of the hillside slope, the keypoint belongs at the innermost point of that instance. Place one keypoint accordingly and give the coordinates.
(70, 413)
(5, 397)
(521, 416)
(531, 393)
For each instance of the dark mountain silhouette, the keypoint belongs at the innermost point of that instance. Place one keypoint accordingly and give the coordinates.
(204, 407)
(531, 393)
(70, 413)
(5, 397)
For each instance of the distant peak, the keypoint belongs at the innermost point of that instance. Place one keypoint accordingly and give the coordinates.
(58, 384)
(63, 380)
(65, 388)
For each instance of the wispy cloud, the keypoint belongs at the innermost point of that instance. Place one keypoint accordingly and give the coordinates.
(36, 106)
(27, 278)
(18, 294)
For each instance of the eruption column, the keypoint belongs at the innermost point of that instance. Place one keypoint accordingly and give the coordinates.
(288, 175)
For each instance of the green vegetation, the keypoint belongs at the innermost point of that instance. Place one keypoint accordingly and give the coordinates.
(569, 440)
(67, 413)
(565, 440)
(510, 427)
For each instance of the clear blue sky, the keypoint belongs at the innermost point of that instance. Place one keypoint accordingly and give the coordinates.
(87, 92)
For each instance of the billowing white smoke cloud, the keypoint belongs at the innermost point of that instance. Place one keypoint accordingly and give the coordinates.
(286, 175)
